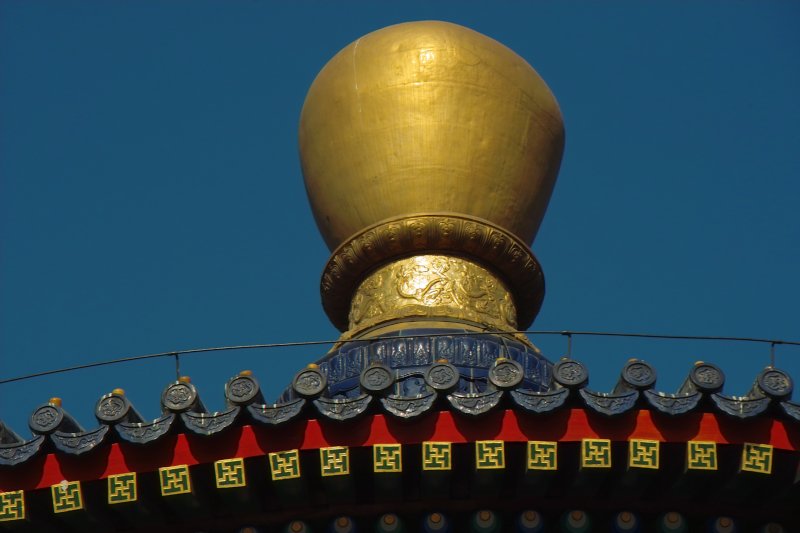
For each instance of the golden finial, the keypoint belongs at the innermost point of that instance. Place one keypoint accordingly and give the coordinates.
(118, 392)
(55, 401)
(429, 153)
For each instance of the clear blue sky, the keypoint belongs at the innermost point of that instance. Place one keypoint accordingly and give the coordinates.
(151, 197)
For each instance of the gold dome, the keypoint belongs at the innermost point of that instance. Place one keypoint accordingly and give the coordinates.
(429, 153)
(429, 117)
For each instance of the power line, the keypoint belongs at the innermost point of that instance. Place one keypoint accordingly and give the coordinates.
(567, 333)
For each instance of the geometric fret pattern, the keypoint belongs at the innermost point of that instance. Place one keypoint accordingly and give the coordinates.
(701, 455)
(12, 505)
(542, 455)
(437, 455)
(122, 488)
(67, 496)
(387, 458)
(175, 480)
(757, 458)
(490, 454)
(284, 465)
(334, 461)
(229, 473)
(643, 453)
(596, 453)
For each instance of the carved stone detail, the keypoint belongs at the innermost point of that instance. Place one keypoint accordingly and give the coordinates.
(506, 374)
(475, 404)
(707, 377)
(539, 402)
(143, 433)
(242, 390)
(446, 234)
(376, 379)
(276, 414)
(209, 423)
(740, 407)
(673, 404)
(639, 374)
(14, 454)
(111, 408)
(309, 383)
(609, 404)
(179, 396)
(343, 408)
(775, 383)
(432, 286)
(442, 377)
(405, 407)
(45, 419)
(570, 373)
(79, 443)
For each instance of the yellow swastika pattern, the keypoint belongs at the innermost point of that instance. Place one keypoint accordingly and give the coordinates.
(387, 458)
(284, 465)
(175, 480)
(490, 454)
(67, 496)
(437, 456)
(701, 455)
(757, 458)
(229, 473)
(643, 453)
(122, 488)
(12, 506)
(596, 453)
(334, 461)
(542, 455)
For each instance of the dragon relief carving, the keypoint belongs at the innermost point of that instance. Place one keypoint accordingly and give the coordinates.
(433, 285)
(349, 266)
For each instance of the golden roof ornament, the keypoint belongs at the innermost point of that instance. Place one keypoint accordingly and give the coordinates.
(429, 153)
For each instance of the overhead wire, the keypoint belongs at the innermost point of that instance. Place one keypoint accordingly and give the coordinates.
(567, 333)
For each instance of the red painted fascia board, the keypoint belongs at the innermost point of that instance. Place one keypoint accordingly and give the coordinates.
(510, 426)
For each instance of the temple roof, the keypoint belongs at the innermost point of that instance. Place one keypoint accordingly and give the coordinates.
(634, 434)
(56, 432)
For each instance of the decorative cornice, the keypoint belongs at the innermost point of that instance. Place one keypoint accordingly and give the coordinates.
(568, 425)
(435, 287)
(20, 452)
(408, 407)
(445, 233)
(276, 414)
(145, 433)
(209, 423)
(475, 404)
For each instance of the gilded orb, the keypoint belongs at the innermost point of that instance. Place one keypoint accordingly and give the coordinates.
(429, 118)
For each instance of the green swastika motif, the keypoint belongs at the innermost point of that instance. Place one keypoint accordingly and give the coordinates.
(596, 453)
(701, 455)
(284, 465)
(757, 458)
(643, 453)
(175, 480)
(67, 496)
(12, 506)
(334, 461)
(542, 455)
(490, 454)
(387, 458)
(437, 456)
(122, 488)
(229, 473)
